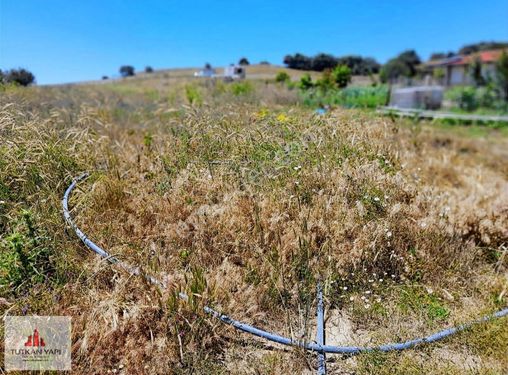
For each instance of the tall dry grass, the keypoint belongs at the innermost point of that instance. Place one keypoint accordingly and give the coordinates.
(245, 201)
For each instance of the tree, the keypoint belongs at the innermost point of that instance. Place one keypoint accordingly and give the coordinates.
(392, 70)
(476, 72)
(323, 61)
(148, 69)
(127, 71)
(341, 75)
(19, 76)
(243, 61)
(411, 59)
(298, 61)
(264, 62)
(502, 75)
(482, 46)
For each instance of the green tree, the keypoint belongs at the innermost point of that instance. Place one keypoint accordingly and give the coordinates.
(392, 70)
(243, 61)
(476, 72)
(502, 75)
(19, 76)
(126, 71)
(341, 75)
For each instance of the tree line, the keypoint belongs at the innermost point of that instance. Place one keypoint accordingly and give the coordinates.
(322, 61)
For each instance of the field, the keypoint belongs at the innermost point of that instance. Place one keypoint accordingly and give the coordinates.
(244, 198)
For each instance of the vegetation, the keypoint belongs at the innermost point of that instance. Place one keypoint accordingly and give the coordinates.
(341, 75)
(502, 75)
(471, 98)
(21, 77)
(243, 61)
(404, 65)
(482, 46)
(282, 77)
(127, 71)
(148, 69)
(351, 97)
(243, 199)
(322, 61)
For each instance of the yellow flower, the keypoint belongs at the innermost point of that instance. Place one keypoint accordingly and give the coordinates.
(262, 113)
(282, 117)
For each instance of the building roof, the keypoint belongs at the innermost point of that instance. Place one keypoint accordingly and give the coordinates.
(484, 56)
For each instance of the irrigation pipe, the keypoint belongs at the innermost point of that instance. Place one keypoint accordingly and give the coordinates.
(317, 346)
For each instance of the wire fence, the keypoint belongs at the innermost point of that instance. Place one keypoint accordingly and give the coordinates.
(319, 346)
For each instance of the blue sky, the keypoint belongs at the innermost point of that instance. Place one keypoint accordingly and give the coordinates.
(74, 40)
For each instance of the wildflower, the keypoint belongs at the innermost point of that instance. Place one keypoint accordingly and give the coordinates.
(376, 199)
(351, 298)
(344, 288)
(282, 117)
(297, 168)
(388, 234)
(367, 306)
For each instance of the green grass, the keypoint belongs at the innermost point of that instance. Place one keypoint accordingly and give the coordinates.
(350, 97)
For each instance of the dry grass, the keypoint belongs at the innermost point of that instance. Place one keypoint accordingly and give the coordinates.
(243, 199)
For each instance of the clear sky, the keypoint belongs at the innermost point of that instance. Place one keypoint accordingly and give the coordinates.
(74, 40)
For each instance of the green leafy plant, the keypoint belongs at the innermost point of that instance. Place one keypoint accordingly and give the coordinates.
(341, 75)
(282, 77)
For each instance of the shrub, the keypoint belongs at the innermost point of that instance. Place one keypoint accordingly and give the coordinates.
(19, 76)
(306, 82)
(127, 71)
(193, 95)
(264, 62)
(464, 97)
(326, 82)
(341, 75)
(282, 77)
(241, 88)
(243, 61)
(105, 77)
(148, 69)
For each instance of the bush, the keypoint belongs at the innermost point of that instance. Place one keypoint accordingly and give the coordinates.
(241, 88)
(243, 61)
(127, 71)
(464, 97)
(326, 82)
(341, 76)
(193, 95)
(148, 69)
(306, 82)
(282, 77)
(19, 76)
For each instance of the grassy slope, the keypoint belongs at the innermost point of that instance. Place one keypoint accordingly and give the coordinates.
(246, 200)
